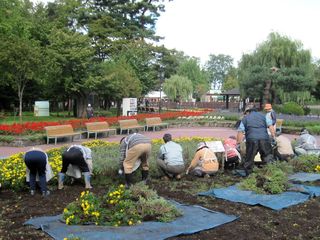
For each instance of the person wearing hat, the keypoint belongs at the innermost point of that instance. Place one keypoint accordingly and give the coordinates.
(305, 142)
(135, 150)
(38, 168)
(270, 113)
(204, 162)
(89, 111)
(170, 158)
(254, 127)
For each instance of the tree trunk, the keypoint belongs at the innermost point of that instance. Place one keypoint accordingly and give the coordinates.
(266, 93)
(118, 108)
(81, 104)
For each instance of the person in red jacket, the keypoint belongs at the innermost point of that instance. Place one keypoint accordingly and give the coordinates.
(233, 155)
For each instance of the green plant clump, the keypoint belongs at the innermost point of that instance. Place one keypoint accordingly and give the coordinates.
(305, 163)
(271, 179)
(120, 207)
(292, 108)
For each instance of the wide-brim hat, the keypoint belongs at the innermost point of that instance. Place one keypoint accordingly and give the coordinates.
(201, 145)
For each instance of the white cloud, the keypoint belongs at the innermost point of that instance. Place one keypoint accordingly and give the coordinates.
(233, 27)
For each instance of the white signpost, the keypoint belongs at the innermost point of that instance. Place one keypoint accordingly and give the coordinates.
(41, 108)
(129, 106)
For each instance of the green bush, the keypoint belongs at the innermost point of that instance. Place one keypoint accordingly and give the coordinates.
(7, 138)
(305, 163)
(292, 108)
(271, 179)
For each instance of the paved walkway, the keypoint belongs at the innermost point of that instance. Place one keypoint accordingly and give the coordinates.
(176, 132)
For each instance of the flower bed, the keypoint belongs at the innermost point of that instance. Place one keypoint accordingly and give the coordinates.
(31, 127)
(120, 207)
(105, 154)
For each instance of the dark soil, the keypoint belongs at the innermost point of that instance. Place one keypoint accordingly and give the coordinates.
(297, 222)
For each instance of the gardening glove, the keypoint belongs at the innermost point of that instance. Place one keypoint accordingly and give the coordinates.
(120, 172)
(187, 172)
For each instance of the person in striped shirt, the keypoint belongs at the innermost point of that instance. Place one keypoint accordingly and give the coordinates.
(135, 150)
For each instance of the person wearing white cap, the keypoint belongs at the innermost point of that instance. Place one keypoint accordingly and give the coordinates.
(204, 163)
(89, 111)
(305, 142)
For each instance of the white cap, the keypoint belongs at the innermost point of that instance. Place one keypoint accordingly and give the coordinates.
(89, 105)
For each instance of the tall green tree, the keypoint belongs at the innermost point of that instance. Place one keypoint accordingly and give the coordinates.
(279, 63)
(116, 79)
(231, 80)
(19, 62)
(19, 53)
(199, 78)
(70, 58)
(218, 66)
(178, 88)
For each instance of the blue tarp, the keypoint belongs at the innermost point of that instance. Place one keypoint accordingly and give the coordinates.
(274, 201)
(194, 219)
(304, 177)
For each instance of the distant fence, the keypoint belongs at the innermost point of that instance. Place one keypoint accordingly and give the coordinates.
(233, 106)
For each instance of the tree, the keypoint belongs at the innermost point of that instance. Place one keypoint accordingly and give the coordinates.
(231, 80)
(69, 58)
(190, 69)
(19, 53)
(178, 88)
(116, 80)
(112, 24)
(292, 62)
(316, 90)
(19, 61)
(218, 67)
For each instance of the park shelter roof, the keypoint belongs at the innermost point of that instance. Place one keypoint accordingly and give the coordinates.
(234, 92)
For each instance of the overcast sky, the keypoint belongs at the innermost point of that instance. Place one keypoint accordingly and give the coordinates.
(233, 27)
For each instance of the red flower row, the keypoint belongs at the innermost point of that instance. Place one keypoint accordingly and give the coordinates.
(80, 123)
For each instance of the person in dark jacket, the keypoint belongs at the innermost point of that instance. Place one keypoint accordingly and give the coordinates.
(76, 155)
(36, 161)
(254, 126)
(134, 148)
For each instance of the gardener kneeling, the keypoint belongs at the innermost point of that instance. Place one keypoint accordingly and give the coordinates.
(204, 163)
(79, 158)
(134, 148)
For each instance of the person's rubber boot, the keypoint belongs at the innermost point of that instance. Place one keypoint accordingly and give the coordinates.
(87, 178)
(128, 179)
(61, 177)
(145, 174)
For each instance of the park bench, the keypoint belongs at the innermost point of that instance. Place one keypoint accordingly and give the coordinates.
(60, 131)
(155, 122)
(98, 127)
(129, 124)
(279, 123)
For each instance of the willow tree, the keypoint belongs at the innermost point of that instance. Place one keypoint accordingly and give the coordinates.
(178, 88)
(279, 63)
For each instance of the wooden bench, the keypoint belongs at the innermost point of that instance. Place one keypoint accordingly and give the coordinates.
(60, 131)
(129, 124)
(279, 123)
(98, 127)
(155, 122)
